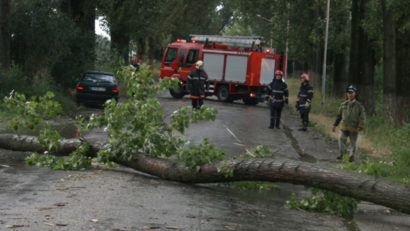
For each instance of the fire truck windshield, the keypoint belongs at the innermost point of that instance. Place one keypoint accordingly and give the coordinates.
(171, 55)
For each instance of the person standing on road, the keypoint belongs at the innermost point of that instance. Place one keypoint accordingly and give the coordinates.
(278, 96)
(352, 117)
(304, 100)
(196, 82)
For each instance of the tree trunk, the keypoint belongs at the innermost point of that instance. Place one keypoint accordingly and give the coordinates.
(83, 15)
(354, 65)
(339, 83)
(389, 64)
(345, 182)
(402, 73)
(362, 59)
(30, 143)
(4, 35)
(152, 45)
(141, 49)
(120, 41)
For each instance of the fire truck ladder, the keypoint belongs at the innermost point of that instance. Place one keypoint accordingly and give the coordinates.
(239, 41)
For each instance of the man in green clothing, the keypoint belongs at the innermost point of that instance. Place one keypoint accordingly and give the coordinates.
(352, 117)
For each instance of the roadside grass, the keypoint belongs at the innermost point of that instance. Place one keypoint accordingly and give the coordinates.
(380, 142)
(5, 115)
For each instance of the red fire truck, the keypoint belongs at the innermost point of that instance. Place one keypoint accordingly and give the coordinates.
(237, 67)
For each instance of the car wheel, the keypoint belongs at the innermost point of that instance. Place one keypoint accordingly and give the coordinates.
(223, 94)
(177, 93)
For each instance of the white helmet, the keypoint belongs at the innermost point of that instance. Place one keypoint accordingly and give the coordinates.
(199, 64)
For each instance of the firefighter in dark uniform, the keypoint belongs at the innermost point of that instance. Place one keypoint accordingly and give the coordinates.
(352, 117)
(278, 96)
(304, 100)
(196, 82)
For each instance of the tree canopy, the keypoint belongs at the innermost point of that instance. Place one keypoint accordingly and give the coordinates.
(54, 41)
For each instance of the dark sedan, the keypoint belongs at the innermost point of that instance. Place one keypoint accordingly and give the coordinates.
(96, 87)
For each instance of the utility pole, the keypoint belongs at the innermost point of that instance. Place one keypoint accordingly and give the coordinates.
(270, 32)
(286, 52)
(324, 58)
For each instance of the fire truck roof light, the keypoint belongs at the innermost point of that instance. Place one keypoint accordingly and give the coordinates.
(267, 51)
(193, 41)
(178, 40)
(252, 95)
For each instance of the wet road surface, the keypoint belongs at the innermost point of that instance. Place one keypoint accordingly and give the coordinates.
(105, 198)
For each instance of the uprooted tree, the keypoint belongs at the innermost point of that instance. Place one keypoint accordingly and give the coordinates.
(140, 139)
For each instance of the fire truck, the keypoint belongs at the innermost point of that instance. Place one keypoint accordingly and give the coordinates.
(237, 66)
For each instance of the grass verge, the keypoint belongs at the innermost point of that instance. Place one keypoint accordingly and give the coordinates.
(380, 141)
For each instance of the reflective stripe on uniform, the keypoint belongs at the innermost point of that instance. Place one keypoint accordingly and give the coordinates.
(277, 91)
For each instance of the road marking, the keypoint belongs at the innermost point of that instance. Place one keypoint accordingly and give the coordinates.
(239, 144)
(5, 166)
(236, 138)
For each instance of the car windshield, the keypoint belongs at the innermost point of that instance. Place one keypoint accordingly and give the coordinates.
(98, 77)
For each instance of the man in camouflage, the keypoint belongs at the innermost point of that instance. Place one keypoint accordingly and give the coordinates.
(352, 117)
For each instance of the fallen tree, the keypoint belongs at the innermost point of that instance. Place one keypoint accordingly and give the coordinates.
(344, 182)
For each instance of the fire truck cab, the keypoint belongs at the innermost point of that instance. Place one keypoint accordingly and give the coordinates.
(237, 67)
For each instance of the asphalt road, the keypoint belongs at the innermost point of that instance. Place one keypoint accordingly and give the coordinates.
(105, 198)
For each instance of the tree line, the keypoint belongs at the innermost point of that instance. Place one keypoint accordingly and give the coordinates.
(368, 39)
(55, 39)
(368, 45)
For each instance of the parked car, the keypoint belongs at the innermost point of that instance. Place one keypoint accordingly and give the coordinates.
(95, 87)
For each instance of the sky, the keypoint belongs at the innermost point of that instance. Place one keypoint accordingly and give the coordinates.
(99, 28)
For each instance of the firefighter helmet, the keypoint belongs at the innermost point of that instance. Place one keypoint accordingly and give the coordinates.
(279, 73)
(305, 76)
(199, 64)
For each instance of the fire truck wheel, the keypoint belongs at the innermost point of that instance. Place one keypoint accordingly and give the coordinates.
(177, 93)
(250, 101)
(223, 93)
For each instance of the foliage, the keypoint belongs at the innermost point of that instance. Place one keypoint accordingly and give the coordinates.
(200, 154)
(46, 42)
(76, 160)
(41, 160)
(35, 113)
(106, 60)
(138, 125)
(325, 201)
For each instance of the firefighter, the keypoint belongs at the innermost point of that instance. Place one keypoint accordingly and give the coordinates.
(278, 96)
(196, 82)
(304, 100)
(352, 117)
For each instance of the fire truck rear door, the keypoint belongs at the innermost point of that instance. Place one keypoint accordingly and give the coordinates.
(267, 70)
(236, 67)
(214, 65)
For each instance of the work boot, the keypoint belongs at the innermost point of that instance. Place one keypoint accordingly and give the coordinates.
(277, 127)
(302, 129)
(351, 158)
(340, 157)
(271, 127)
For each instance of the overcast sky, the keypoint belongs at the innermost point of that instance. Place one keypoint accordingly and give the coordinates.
(99, 28)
